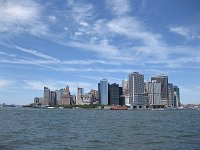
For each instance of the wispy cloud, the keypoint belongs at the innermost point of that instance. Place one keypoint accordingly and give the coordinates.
(118, 7)
(5, 83)
(21, 16)
(35, 52)
(186, 32)
(55, 85)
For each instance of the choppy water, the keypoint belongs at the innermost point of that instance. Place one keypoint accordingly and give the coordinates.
(22, 128)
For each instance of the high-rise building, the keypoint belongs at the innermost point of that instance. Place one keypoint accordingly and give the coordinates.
(58, 97)
(125, 93)
(47, 96)
(113, 94)
(65, 96)
(171, 94)
(163, 79)
(125, 87)
(79, 99)
(136, 90)
(103, 86)
(153, 90)
(53, 98)
(176, 96)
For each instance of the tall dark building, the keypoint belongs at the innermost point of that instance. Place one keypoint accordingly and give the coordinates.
(114, 94)
(53, 98)
(163, 79)
(47, 96)
(176, 97)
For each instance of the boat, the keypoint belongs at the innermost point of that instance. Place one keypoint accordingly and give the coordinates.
(119, 107)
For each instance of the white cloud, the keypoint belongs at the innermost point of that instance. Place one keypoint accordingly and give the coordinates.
(188, 33)
(80, 12)
(21, 16)
(118, 7)
(85, 24)
(52, 18)
(54, 85)
(36, 53)
(4, 83)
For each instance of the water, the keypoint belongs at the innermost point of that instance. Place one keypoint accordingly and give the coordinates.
(23, 128)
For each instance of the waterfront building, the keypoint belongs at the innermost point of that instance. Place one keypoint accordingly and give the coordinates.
(153, 90)
(176, 96)
(65, 96)
(73, 99)
(80, 92)
(171, 94)
(58, 96)
(103, 91)
(125, 93)
(53, 98)
(87, 98)
(37, 101)
(163, 79)
(136, 90)
(113, 94)
(47, 96)
(125, 87)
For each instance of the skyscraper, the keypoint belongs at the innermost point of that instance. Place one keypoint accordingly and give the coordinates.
(153, 90)
(58, 97)
(171, 94)
(114, 94)
(47, 96)
(176, 96)
(53, 98)
(163, 79)
(65, 96)
(125, 93)
(79, 100)
(136, 89)
(103, 86)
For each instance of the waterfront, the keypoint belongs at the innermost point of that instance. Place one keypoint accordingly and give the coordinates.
(25, 128)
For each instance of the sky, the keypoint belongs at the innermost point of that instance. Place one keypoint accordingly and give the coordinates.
(79, 42)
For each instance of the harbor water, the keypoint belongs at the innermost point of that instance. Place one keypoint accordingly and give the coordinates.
(71, 129)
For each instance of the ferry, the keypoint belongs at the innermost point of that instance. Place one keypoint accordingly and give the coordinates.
(119, 107)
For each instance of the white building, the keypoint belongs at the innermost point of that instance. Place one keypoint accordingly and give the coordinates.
(153, 90)
(136, 90)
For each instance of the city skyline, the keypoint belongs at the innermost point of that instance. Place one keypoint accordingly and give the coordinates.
(78, 43)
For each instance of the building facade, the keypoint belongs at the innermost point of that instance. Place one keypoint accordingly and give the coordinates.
(171, 94)
(136, 90)
(176, 96)
(163, 79)
(103, 86)
(153, 90)
(47, 96)
(66, 97)
(114, 94)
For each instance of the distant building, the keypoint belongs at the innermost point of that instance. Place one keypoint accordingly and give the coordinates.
(136, 90)
(79, 100)
(58, 96)
(53, 98)
(176, 96)
(103, 86)
(125, 93)
(114, 94)
(171, 94)
(37, 101)
(153, 90)
(125, 87)
(47, 96)
(65, 96)
(163, 79)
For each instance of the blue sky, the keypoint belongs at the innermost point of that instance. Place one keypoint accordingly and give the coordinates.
(77, 43)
